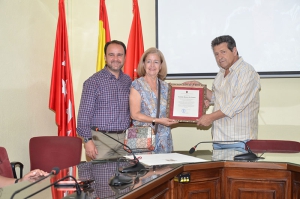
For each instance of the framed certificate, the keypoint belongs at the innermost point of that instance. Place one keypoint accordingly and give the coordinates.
(185, 102)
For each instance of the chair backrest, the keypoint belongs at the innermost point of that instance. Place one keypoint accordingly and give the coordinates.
(47, 152)
(274, 146)
(5, 167)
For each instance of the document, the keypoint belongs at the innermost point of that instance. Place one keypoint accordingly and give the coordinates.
(166, 158)
(186, 103)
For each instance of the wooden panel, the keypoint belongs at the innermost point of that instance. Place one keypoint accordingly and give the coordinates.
(204, 184)
(257, 194)
(256, 189)
(258, 165)
(296, 185)
(203, 165)
(205, 174)
(209, 189)
(257, 183)
(160, 192)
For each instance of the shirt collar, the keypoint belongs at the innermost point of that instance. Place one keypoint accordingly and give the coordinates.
(234, 66)
(108, 74)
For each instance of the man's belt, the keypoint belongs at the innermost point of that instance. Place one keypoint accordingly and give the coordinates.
(112, 132)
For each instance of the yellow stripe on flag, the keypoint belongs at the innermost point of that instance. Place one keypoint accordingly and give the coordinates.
(101, 44)
(104, 35)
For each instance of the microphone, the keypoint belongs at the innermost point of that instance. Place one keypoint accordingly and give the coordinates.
(250, 156)
(119, 180)
(78, 190)
(136, 167)
(54, 171)
(118, 189)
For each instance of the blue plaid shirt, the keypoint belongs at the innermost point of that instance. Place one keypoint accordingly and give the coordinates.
(104, 103)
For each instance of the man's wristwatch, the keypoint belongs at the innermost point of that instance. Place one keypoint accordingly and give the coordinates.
(85, 140)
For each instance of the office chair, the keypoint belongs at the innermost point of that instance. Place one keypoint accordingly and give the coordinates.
(47, 152)
(7, 168)
(274, 146)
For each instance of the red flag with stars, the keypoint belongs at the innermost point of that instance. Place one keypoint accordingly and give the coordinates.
(61, 99)
(61, 92)
(135, 46)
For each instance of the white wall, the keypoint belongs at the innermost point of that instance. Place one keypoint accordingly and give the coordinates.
(27, 37)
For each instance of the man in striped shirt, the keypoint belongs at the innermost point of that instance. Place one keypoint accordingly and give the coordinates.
(235, 95)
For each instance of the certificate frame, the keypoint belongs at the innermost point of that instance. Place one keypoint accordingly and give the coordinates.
(186, 102)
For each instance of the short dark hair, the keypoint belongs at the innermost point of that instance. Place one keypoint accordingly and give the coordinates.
(224, 39)
(114, 42)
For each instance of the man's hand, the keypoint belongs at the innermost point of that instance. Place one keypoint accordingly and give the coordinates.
(205, 120)
(208, 119)
(90, 149)
(206, 104)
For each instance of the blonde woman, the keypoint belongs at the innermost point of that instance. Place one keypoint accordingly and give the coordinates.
(152, 69)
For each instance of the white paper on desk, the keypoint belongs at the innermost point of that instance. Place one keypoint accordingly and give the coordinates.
(166, 158)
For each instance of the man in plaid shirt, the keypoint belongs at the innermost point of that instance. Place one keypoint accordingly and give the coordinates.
(105, 104)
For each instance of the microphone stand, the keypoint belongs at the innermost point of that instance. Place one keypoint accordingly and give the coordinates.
(120, 188)
(137, 166)
(119, 180)
(54, 171)
(250, 156)
(78, 190)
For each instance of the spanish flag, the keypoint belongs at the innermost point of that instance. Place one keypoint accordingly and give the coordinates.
(104, 35)
(135, 46)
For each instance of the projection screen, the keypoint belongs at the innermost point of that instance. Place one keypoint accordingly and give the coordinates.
(267, 34)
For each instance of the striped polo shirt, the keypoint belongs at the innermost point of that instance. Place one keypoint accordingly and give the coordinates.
(237, 96)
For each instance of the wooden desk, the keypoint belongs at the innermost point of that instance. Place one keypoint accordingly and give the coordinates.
(229, 180)
(275, 177)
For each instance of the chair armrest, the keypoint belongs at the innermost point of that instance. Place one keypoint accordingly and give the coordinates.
(14, 165)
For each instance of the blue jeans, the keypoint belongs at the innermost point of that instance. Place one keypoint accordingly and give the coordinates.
(239, 146)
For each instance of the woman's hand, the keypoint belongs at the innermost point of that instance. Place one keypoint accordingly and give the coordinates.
(33, 175)
(166, 121)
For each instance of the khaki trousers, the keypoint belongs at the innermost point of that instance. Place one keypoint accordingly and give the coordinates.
(107, 147)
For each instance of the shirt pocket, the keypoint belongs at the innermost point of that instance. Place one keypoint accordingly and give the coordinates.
(103, 99)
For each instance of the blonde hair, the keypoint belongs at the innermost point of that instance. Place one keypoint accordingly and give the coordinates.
(163, 71)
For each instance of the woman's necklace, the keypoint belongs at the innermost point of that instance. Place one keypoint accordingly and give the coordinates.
(152, 84)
